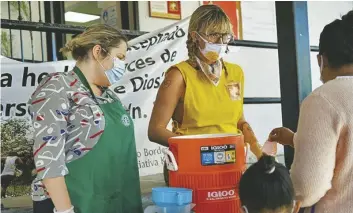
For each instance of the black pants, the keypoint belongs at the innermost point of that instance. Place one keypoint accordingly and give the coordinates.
(45, 206)
(5, 182)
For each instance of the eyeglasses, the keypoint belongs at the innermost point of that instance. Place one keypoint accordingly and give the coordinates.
(223, 38)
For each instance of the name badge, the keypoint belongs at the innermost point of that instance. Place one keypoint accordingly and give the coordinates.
(234, 91)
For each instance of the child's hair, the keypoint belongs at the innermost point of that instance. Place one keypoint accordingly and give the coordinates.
(266, 187)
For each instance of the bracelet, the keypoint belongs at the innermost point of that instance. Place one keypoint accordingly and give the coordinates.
(70, 210)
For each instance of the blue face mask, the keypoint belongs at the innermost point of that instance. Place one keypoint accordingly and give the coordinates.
(116, 72)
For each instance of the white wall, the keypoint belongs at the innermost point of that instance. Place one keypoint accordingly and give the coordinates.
(259, 21)
(259, 24)
(149, 24)
(322, 13)
(259, 18)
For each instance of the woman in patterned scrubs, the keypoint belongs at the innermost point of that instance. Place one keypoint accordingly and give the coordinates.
(84, 150)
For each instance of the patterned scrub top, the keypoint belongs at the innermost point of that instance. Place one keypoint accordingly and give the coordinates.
(67, 122)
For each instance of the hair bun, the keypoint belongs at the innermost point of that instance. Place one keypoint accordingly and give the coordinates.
(267, 164)
(347, 19)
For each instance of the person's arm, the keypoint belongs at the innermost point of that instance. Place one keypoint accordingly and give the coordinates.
(45, 106)
(244, 126)
(57, 190)
(167, 99)
(315, 149)
(249, 137)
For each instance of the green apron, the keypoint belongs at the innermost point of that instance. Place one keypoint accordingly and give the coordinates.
(106, 180)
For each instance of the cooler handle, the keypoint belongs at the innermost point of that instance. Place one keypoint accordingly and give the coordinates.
(170, 160)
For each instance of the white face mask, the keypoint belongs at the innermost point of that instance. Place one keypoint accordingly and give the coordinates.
(116, 72)
(213, 52)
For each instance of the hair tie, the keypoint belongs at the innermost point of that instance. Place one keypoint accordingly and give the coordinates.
(270, 171)
(69, 47)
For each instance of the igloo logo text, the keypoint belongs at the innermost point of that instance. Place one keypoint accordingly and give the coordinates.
(220, 195)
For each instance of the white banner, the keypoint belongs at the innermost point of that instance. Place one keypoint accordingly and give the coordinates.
(149, 56)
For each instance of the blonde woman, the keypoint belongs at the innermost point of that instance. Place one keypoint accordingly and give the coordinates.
(84, 150)
(199, 94)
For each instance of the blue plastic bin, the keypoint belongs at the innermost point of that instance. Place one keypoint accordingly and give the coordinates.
(169, 196)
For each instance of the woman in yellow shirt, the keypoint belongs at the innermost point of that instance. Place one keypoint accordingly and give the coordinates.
(203, 95)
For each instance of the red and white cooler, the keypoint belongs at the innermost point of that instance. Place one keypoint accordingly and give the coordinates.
(210, 165)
